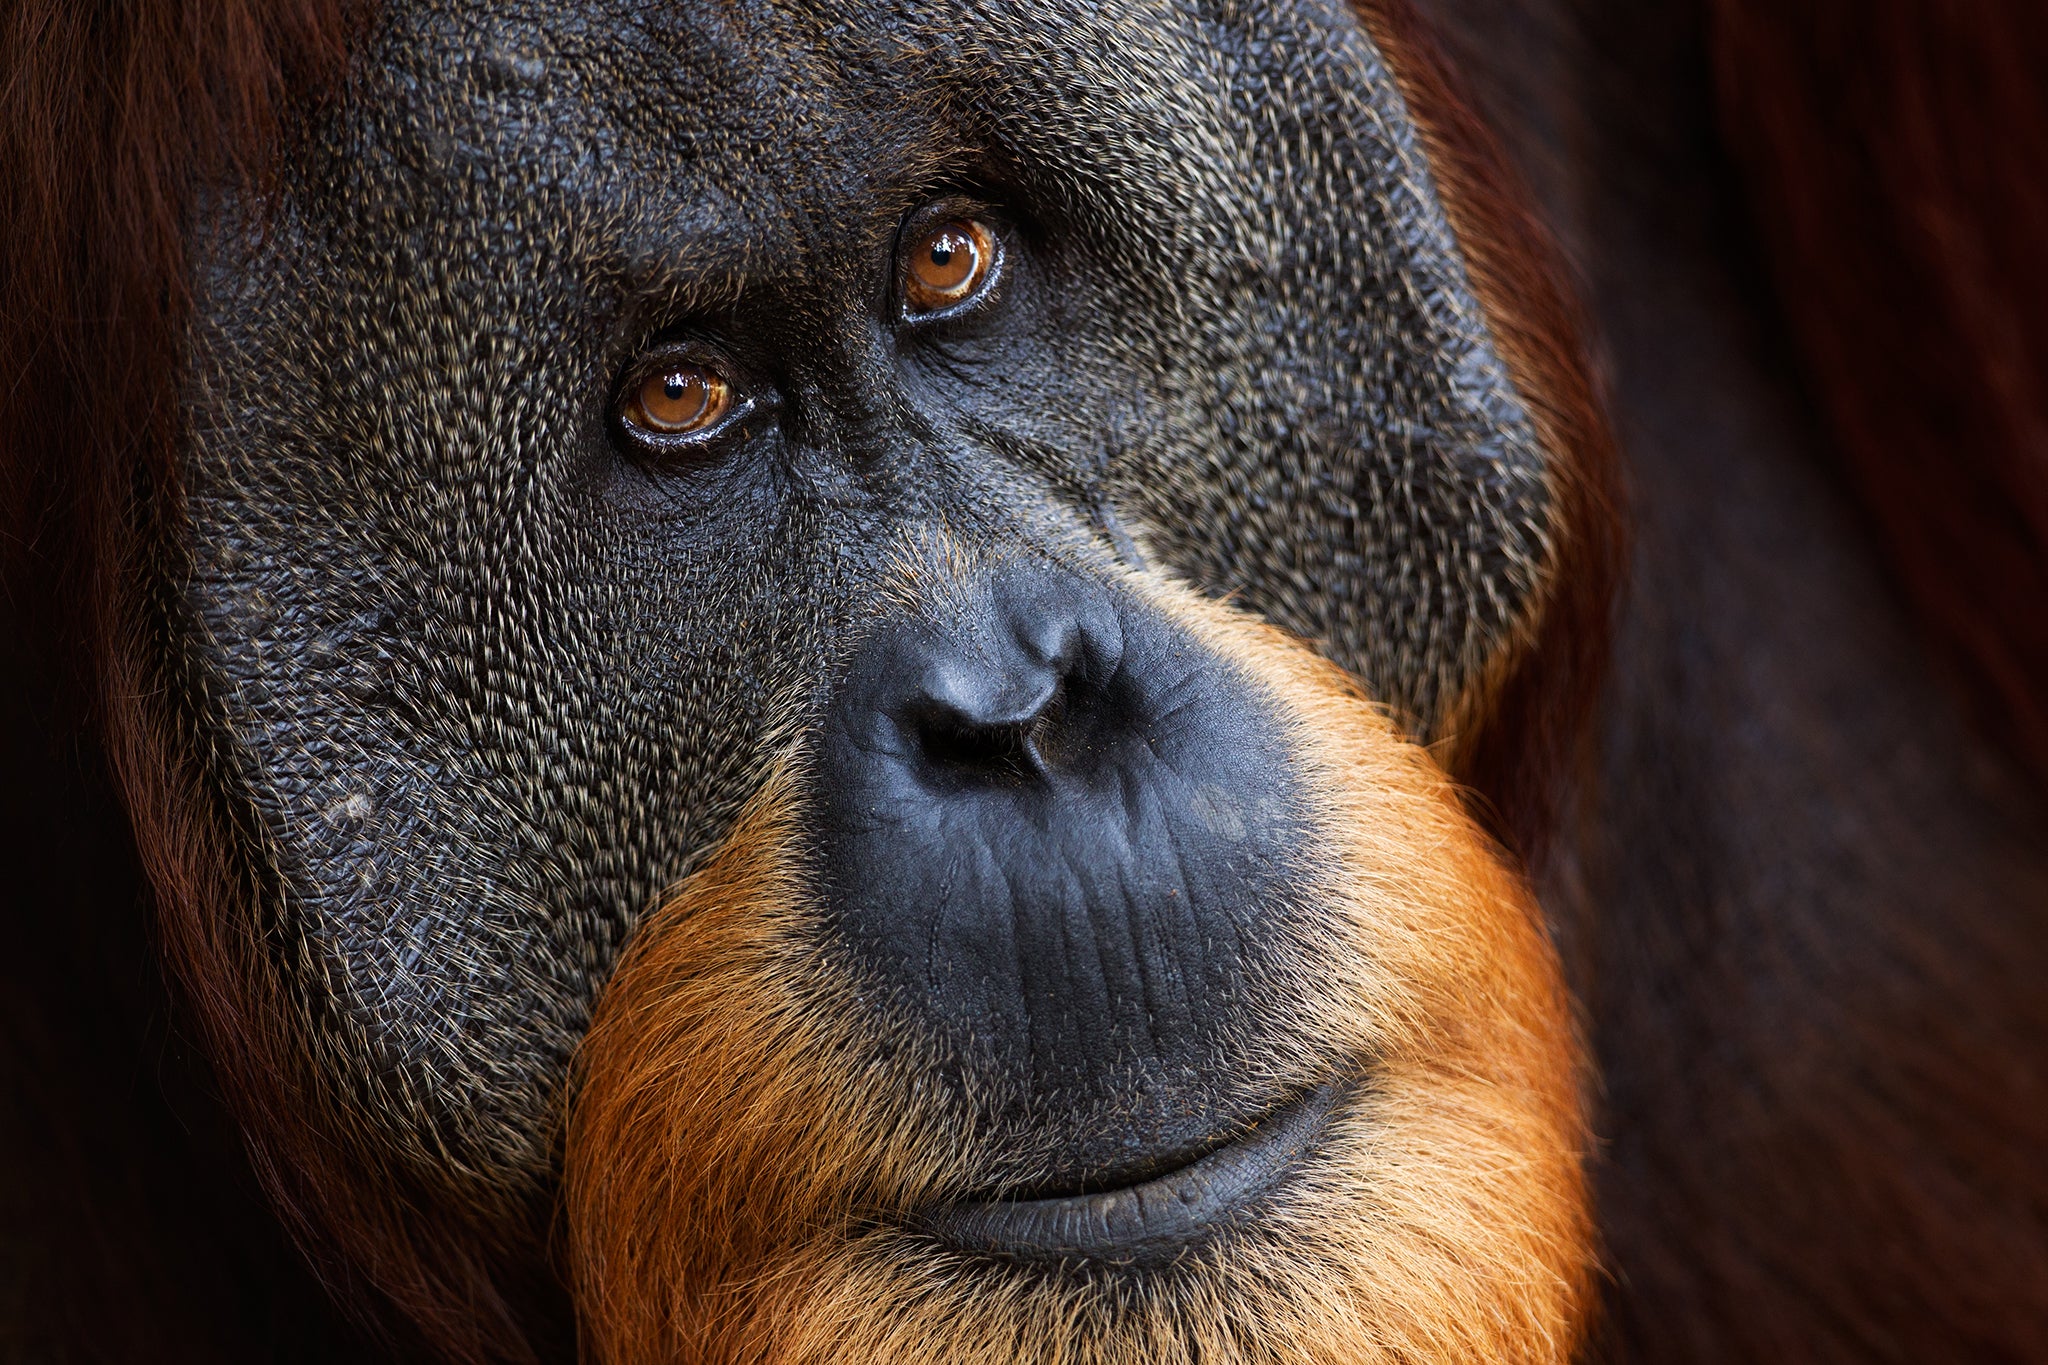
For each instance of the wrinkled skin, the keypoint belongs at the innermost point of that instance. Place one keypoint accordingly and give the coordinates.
(481, 679)
(1801, 905)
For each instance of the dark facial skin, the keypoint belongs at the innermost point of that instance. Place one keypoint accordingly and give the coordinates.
(484, 672)
(1054, 832)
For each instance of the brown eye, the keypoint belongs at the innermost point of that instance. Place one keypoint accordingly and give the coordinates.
(679, 400)
(948, 264)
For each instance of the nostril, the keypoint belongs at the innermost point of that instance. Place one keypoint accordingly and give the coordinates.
(999, 751)
(993, 741)
(1019, 680)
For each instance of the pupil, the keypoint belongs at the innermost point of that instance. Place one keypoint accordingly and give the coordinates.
(942, 254)
(672, 388)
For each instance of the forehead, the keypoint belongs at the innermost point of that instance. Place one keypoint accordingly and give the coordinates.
(696, 82)
(689, 133)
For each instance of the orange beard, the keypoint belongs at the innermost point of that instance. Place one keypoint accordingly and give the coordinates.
(751, 1142)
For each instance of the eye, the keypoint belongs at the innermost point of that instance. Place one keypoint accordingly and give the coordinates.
(678, 399)
(947, 264)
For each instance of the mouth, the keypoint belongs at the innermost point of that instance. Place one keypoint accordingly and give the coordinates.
(1153, 1221)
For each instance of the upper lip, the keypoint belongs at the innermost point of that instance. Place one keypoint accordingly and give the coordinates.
(1155, 1219)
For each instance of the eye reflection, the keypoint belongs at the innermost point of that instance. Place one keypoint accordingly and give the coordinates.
(947, 264)
(679, 400)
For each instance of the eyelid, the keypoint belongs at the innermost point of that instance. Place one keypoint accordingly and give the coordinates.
(937, 215)
(657, 358)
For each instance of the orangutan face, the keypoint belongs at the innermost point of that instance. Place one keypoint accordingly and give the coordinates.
(939, 507)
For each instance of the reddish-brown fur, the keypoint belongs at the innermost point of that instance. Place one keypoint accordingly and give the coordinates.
(109, 115)
(1896, 154)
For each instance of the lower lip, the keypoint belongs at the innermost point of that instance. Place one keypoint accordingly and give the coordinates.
(1153, 1222)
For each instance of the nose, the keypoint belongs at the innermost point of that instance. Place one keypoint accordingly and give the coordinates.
(1057, 831)
(1017, 688)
